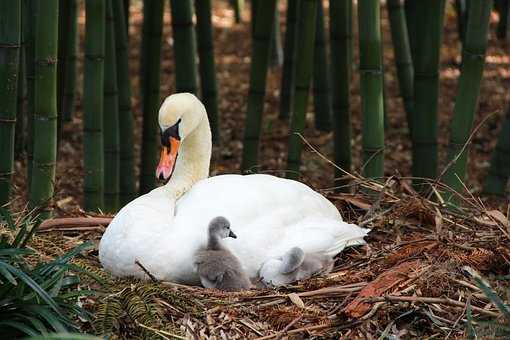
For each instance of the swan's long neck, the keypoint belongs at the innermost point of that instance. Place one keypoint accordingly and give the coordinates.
(193, 160)
(214, 243)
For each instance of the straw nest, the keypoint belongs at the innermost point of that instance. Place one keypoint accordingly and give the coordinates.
(413, 279)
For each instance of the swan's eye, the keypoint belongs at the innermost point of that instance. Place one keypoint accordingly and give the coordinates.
(171, 132)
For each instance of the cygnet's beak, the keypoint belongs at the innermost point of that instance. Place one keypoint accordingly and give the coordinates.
(167, 159)
(231, 234)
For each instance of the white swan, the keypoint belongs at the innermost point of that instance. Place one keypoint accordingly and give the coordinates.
(164, 228)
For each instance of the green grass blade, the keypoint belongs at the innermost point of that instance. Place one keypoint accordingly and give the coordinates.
(32, 284)
(493, 297)
(470, 330)
(7, 218)
(20, 326)
(8, 276)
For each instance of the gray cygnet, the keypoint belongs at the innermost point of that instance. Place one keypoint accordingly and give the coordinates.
(293, 266)
(216, 265)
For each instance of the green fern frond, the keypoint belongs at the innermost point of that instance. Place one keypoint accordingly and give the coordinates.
(107, 315)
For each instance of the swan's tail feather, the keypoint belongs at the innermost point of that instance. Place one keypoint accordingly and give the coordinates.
(354, 239)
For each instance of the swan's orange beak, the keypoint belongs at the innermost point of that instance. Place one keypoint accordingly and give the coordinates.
(167, 159)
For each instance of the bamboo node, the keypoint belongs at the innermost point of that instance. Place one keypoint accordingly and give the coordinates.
(7, 120)
(48, 61)
(96, 57)
(10, 45)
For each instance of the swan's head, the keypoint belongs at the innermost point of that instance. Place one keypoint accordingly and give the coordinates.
(220, 227)
(179, 115)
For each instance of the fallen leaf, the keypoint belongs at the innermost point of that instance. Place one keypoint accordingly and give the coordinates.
(384, 282)
(357, 202)
(296, 300)
(499, 217)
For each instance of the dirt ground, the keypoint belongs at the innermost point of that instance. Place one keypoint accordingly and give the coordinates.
(416, 238)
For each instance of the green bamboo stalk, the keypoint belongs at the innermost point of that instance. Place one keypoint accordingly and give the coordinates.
(411, 11)
(261, 42)
(253, 15)
(429, 27)
(402, 51)
(68, 45)
(10, 37)
(207, 66)
(151, 57)
(321, 81)
(499, 171)
(276, 54)
(468, 91)
(289, 59)
(304, 69)
(45, 107)
(238, 6)
(111, 145)
(371, 83)
(93, 143)
(30, 15)
(21, 114)
(127, 187)
(504, 18)
(462, 13)
(341, 66)
(184, 46)
(126, 5)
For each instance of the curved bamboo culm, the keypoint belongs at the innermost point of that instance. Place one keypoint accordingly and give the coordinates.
(466, 103)
(499, 171)
(30, 14)
(151, 57)
(10, 36)
(111, 117)
(127, 187)
(68, 50)
(289, 59)
(276, 54)
(45, 107)
(207, 66)
(321, 81)
(93, 186)
(402, 51)
(259, 64)
(371, 83)
(304, 69)
(340, 13)
(429, 27)
(411, 12)
(184, 46)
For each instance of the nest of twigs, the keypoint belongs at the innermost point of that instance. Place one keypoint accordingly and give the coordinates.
(418, 276)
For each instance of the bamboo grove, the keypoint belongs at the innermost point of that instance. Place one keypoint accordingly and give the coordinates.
(39, 84)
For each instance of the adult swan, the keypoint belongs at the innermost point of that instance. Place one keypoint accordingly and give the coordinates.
(164, 228)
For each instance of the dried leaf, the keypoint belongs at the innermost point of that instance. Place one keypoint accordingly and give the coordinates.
(384, 282)
(411, 250)
(500, 217)
(357, 202)
(296, 300)
(438, 219)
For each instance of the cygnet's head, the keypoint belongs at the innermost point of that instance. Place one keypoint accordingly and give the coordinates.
(179, 115)
(220, 227)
